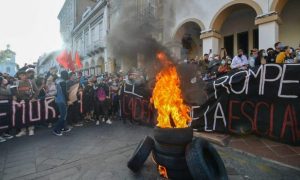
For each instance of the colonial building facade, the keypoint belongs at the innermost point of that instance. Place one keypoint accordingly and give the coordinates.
(231, 24)
(8, 61)
(188, 28)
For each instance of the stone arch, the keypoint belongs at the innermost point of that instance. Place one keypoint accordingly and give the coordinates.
(195, 20)
(278, 5)
(226, 10)
(186, 42)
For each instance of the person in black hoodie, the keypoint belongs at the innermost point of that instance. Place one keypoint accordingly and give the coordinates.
(103, 101)
(61, 102)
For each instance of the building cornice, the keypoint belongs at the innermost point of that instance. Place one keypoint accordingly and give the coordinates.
(210, 33)
(266, 18)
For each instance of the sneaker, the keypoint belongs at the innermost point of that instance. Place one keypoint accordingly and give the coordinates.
(108, 121)
(7, 136)
(78, 124)
(21, 133)
(103, 120)
(31, 132)
(97, 123)
(66, 130)
(2, 139)
(57, 133)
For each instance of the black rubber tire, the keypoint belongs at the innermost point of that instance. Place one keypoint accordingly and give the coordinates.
(168, 149)
(179, 175)
(204, 162)
(140, 154)
(170, 162)
(173, 136)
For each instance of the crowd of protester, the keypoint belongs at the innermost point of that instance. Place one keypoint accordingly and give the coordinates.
(212, 66)
(79, 98)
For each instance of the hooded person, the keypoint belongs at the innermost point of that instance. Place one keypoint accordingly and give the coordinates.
(61, 102)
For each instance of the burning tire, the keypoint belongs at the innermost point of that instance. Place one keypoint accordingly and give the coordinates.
(168, 149)
(170, 162)
(204, 161)
(140, 154)
(173, 136)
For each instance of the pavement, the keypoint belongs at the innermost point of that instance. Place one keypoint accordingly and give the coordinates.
(101, 152)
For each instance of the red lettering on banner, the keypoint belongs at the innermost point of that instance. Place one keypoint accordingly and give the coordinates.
(296, 124)
(256, 116)
(247, 115)
(232, 117)
(271, 121)
(288, 121)
(135, 107)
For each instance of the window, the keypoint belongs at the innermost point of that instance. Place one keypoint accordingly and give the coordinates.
(243, 41)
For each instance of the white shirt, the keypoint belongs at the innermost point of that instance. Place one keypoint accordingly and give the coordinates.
(239, 62)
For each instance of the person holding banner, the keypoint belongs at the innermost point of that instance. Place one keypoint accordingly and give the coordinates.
(240, 61)
(25, 92)
(61, 102)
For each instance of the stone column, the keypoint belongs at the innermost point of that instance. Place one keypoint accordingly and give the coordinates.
(268, 30)
(211, 41)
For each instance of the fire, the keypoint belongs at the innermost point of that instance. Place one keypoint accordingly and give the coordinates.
(167, 97)
(162, 171)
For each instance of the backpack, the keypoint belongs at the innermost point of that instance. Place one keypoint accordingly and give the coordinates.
(101, 94)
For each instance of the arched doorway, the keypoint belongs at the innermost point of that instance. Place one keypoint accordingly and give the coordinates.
(289, 28)
(188, 35)
(236, 24)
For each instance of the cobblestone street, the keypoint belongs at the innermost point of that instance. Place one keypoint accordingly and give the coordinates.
(101, 152)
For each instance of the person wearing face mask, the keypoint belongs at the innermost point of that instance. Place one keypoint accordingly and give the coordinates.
(270, 56)
(283, 56)
(261, 58)
(224, 67)
(240, 61)
(253, 57)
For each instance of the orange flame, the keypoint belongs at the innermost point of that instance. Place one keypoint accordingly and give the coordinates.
(167, 97)
(162, 171)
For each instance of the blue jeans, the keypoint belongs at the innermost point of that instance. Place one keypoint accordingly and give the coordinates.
(61, 123)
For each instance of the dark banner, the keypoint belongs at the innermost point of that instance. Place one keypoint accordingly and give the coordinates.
(264, 101)
(21, 114)
(135, 105)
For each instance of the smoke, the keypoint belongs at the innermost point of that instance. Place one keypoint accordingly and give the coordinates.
(131, 34)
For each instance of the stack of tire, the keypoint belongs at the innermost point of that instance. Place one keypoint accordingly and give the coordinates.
(169, 151)
(181, 156)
